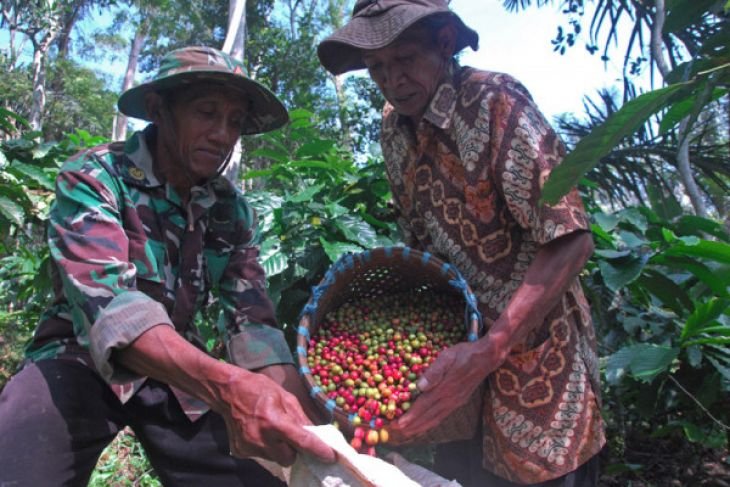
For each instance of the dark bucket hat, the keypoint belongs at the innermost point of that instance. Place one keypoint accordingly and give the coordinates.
(195, 64)
(377, 23)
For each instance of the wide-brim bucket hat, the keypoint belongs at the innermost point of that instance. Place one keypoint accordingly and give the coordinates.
(191, 65)
(377, 23)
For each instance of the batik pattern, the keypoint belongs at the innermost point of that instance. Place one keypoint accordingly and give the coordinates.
(467, 182)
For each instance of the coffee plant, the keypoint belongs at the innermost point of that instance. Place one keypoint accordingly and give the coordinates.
(318, 203)
(28, 169)
(659, 291)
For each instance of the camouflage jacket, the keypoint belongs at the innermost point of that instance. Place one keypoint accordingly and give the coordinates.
(127, 256)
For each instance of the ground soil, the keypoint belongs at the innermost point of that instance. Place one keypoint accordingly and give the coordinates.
(666, 462)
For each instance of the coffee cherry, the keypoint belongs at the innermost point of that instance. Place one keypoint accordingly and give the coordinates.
(367, 355)
(372, 438)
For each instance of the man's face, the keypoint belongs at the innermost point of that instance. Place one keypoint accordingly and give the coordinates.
(208, 120)
(407, 72)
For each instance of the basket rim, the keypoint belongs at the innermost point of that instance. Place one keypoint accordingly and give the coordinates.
(347, 262)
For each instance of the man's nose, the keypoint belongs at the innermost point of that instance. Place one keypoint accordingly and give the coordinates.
(223, 131)
(393, 75)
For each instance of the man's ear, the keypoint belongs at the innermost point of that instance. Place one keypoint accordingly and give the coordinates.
(153, 106)
(446, 40)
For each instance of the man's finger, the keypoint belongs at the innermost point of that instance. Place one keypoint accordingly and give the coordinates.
(305, 441)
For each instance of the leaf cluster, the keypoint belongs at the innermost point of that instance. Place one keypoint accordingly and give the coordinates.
(318, 204)
(660, 292)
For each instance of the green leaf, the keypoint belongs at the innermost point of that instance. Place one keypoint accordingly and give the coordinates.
(666, 290)
(276, 155)
(275, 264)
(717, 251)
(10, 114)
(642, 362)
(704, 314)
(695, 225)
(11, 211)
(635, 217)
(682, 108)
(612, 254)
(335, 210)
(717, 282)
(697, 433)
(632, 240)
(694, 356)
(601, 234)
(300, 113)
(312, 164)
(721, 368)
(591, 148)
(34, 173)
(620, 272)
(335, 250)
(606, 222)
(358, 231)
(663, 203)
(306, 195)
(315, 148)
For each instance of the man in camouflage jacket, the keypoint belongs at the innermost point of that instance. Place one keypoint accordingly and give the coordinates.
(141, 234)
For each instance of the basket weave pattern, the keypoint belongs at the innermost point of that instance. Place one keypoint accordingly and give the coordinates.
(381, 271)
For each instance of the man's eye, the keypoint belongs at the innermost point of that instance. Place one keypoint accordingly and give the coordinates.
(205, 109)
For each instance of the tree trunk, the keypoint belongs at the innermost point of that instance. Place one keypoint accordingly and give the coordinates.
(685, 126)
(39, 82)
(40, 50)
(120, 120)
(342, 114)
(235, 45)
(64, 37)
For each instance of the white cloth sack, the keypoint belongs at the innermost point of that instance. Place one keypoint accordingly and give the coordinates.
(354, 469)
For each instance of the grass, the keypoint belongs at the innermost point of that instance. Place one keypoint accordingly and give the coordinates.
(124, 464)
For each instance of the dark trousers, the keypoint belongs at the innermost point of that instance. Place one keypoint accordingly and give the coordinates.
(462, 461)
(57, 416)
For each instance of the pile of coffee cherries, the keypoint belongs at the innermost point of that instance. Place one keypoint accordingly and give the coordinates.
(368, 354)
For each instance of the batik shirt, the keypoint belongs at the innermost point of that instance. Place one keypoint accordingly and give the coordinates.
(127, 255)
(466, 182)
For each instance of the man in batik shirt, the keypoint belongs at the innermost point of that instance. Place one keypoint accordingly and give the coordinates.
(467, 153)
(142, 234)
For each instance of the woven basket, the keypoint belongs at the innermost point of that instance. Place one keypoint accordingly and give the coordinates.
(377, 272)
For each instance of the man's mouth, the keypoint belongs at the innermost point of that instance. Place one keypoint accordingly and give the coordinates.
(403, 98)
(211, 154)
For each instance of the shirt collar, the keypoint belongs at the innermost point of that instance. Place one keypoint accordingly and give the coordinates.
(137, 168)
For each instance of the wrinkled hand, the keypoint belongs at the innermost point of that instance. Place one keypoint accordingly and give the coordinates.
(287, 376)
(264, 420)
(445, 386)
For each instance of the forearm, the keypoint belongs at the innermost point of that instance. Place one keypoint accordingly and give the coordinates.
(261, 418)
(162, 354)
(547, 279)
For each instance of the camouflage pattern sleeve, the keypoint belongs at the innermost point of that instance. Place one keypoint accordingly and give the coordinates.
(256, 341)
(89, 245)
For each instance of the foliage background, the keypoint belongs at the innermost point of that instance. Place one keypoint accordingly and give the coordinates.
(658, 281)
